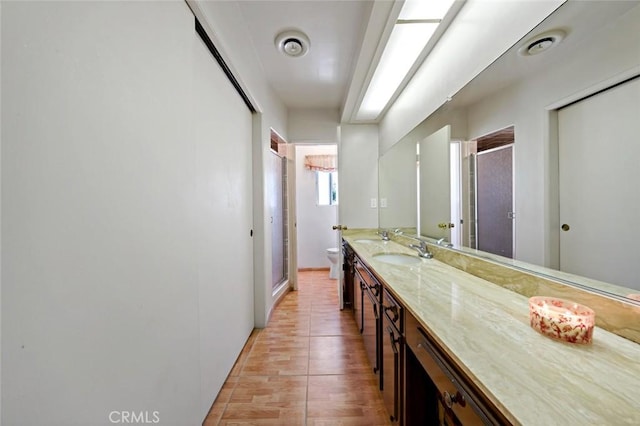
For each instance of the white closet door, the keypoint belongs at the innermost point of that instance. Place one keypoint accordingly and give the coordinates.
(224, 218)
(435, 187)
(599, 194)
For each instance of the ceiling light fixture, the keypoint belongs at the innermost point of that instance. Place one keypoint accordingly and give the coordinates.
(292, 43)
(417, 22)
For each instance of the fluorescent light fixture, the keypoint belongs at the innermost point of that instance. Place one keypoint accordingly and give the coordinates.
(417, 22)
(423, 9)
(403, 48)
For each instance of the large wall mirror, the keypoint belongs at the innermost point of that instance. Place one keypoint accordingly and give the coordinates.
(559, 125)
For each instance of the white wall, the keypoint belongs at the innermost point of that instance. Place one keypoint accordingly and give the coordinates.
(398, 186)
(481, 32)
(358, 170)
(314, 222)
(0, 214)
(126, 206)
(313, 125)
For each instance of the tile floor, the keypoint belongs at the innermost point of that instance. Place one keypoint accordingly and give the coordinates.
(307, 367)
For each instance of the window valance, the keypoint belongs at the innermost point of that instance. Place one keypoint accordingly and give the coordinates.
(322, 163)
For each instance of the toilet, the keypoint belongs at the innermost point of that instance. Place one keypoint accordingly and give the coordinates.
(333, 255)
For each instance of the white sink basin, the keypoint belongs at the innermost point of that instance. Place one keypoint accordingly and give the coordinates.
(365, 241)
(397, 258)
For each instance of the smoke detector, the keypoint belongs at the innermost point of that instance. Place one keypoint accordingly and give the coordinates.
(541, 43)
(292, 43)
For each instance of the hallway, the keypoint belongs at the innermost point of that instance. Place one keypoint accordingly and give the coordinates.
(307, 367)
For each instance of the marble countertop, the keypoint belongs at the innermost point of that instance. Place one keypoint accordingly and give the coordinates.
(533, 379)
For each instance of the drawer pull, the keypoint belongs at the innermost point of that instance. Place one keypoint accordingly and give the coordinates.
(394, 341)
(449, 399)
(394, 311)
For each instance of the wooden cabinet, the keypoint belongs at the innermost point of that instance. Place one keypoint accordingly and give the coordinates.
(392, 356)
(380, 320)
(371, 331)
(458, 401)
(358, 303)
(371, 319)
(420, 384)
(348, 294)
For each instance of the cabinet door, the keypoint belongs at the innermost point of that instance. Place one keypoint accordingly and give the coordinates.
(370, 329)
(391, 355)
(421, 395)
(457, 398)
(348, 291)
(358, 287)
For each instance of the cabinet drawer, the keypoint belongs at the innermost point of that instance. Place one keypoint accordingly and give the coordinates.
(455, 390)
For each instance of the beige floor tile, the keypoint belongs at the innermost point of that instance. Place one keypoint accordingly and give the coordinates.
(269, 389)
(291, 413)
(346, 413)
(307, 367)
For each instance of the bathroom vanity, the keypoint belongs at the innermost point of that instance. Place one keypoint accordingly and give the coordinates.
(450, 348)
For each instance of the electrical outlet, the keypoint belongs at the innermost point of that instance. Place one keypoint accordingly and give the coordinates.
(374, 203)
(383, 203)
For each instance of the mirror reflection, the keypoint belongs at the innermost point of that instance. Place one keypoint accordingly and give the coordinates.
(540, 166)
(397, 188)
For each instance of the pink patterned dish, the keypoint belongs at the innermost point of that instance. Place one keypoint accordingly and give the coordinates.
(562, 319)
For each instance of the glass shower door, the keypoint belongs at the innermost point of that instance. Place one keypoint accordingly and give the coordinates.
(277, 206)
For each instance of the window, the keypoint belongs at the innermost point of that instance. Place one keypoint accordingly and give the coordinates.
(327, 188)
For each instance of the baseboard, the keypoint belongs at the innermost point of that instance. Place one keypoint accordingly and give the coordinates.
(312, 269)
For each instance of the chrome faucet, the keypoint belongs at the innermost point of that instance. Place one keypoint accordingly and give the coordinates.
(443, 242)
(422, 249)
(385, 235)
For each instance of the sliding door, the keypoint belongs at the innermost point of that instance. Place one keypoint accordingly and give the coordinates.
(599, 174)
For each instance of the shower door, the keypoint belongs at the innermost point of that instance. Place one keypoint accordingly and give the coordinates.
(494, 209)
(276, 191)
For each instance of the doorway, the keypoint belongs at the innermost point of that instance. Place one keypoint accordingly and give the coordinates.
(317, 198)
(494, 209)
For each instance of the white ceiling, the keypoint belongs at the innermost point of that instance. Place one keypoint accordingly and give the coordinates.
(321, 78)
(344, 36)
(581, 21)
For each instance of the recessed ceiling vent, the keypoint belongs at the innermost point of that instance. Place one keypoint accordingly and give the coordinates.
(292, 43)
(541, 43)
